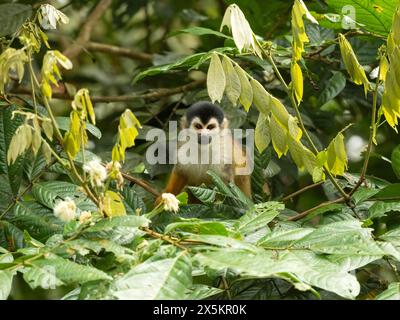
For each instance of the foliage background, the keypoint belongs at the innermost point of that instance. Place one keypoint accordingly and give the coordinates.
(144, 33)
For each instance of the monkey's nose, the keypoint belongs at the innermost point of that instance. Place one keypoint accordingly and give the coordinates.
(203, 139)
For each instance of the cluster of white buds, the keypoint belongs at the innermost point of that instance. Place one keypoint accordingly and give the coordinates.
(85, 216)
(171, 203)
(97, 173)
(65, 210)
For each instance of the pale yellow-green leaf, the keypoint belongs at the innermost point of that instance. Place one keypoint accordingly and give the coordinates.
(46, 152)
(296, 152)
(279, 136)
(262, 137)
(233, 87)
(36, 141)
(279, 111)
(215, 79)
(48, 129)
(19, 143)
(356, 72)
(294, 130)
(261, 98)
(246, 92)
(113, 205)
(336, 155)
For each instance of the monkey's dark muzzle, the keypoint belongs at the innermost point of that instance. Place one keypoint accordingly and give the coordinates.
(203, 139)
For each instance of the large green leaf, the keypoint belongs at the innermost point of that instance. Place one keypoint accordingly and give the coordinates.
(71, 272)
(198, 226)
(333, 88)
(258, 217)
(374, 16)
(310, 268)
(48, 193)
(341, 238)
(6, 278)
(12, 16)
(166, 279)
(380, 208)
(7, 130)
(42, 276)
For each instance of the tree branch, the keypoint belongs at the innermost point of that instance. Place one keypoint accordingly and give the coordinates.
(115, 50)
(84, 35)
(154, 94)
(141, 183)
(296, 193)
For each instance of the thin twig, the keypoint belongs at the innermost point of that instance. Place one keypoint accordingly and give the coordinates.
(296, 193)
(371, 138)
(321, 205)
(141, 183)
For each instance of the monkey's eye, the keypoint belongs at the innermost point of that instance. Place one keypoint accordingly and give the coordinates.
(198, 126)
(211, 126)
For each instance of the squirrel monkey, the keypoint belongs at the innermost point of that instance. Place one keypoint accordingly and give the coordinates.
(213, 148)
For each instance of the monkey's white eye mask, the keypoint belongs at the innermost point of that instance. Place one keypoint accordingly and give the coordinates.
(206, 132)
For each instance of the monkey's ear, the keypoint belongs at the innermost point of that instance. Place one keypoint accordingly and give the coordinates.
(184, 124)
(225, 124)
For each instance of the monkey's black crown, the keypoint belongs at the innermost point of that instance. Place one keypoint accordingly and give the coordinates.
(205, 111)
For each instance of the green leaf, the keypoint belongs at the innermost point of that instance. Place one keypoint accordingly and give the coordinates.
(380, 208)
(308, 267)
(233, 87)
(333, 88)
(124, 221)
(183, 63)
(6, 278)
(282, 239)
(42, 276)
(198, 226)
(11, 237)
(391, 293)
(374, 16)
(201, 292)
(65, 122)
(216, 80)
(396, 161)
(71, 272)
(258, 217)
(12, 16)
(246, 92)
(341, 238)
(166, 279)
(48, 193)
(132, 201)
(200, 31)
(262, 137)
(205, 195)
(8, 127)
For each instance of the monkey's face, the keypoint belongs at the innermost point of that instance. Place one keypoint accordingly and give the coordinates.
(205, 131)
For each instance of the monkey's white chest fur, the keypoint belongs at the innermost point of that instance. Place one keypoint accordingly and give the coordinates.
(194, 160)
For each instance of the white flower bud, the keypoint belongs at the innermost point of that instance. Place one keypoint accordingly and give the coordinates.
(65, 210)
(171, 203)
(85, 216)
(97, 173)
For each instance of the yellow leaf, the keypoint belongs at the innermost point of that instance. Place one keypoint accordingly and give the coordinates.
(215, 79)
(48, 129)
(246, 92)
(356, 72)
(113, 205)
(279, 111)
(297, 81)
(336, 156)
(46, 152)
(294, 130)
